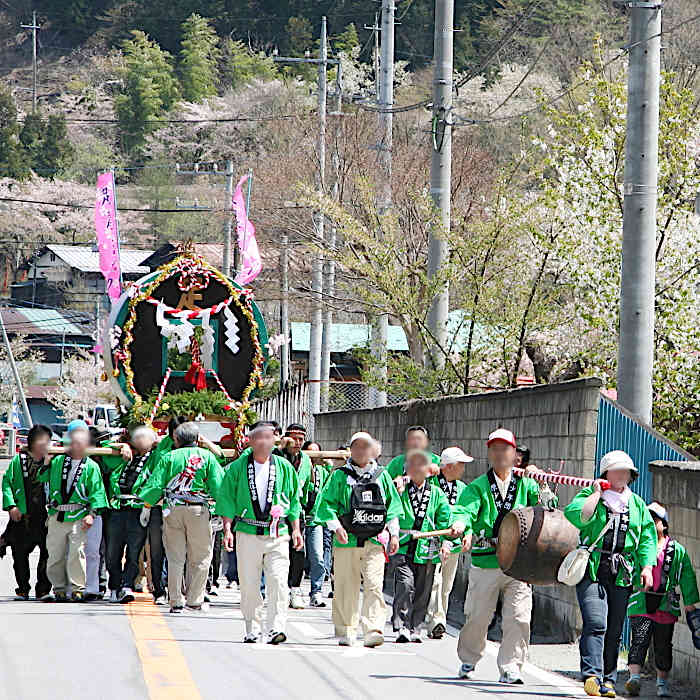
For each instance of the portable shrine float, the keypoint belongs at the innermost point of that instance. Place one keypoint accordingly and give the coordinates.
(186, 340)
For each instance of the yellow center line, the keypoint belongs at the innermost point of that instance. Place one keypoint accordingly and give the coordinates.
(165, 668)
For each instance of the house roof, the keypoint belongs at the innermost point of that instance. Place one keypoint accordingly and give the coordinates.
(213, 253)
(85, 259)
(29, 321)
(345, 336)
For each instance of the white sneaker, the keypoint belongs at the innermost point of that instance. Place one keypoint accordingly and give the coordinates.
(403, 636)
(510, 678)
(114, 597)
(296, 600)
(317, 601)
(416, 636)
(374, 638)
(126, 595)
(465, 671)
(346, 641)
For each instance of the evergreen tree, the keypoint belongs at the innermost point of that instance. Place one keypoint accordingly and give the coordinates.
(347, 40)
(240, 65)
(57, 152)
(31, 136)
(198, 59)
(13, 161)
(150, 89)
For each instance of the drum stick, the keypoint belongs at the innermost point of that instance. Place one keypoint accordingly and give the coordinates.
(98, 451)
(418, 535)
(563, 479)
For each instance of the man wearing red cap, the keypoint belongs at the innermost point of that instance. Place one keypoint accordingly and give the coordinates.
(479, 511)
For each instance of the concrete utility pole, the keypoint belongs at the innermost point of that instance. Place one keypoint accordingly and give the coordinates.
(15, 373)
(34, 27)
(375, 28)
(284, 309)
(441, 165)
(636, 349)
(226, 266)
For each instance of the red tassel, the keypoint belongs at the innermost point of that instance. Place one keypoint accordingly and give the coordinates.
(191, 376)
(201, 379)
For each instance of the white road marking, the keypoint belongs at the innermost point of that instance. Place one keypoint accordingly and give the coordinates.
(350, 652)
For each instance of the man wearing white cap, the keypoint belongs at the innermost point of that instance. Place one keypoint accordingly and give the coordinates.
(449, 479)
(360, 505)
(479, 511)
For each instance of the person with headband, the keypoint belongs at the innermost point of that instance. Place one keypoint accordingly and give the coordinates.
(617, 523)
(259, 502)
(416, 438)
(653, 614)
(187, 479)
(128, 519)
(75, 494)
(449, 479)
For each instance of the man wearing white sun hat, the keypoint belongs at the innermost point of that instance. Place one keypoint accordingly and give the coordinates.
(449, 479)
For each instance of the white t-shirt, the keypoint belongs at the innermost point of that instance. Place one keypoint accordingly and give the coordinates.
(502, 484)
(262, 476)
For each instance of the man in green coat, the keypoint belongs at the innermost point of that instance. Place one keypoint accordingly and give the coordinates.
(417, 438)
(24, 499)
(258, 498)
(425, 508)
(186, 479)
(359, 503)
(479, 511)
(75, 493)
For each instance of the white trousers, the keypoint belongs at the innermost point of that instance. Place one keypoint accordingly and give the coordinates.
(443, 581)
(256, 553)
(92, 556)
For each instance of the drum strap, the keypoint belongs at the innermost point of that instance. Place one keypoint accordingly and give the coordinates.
(449, 488)
(419, 503)
(653, 598)
(503, 506)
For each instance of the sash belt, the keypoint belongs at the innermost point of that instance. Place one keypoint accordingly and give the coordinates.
(68, 507)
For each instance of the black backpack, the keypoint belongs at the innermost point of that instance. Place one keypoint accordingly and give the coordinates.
(367, 515)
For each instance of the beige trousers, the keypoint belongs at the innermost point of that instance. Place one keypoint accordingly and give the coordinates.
(187, 538)
(355, 566)
(254, 554)
(65, 543)
(479, 606)
(440, 595)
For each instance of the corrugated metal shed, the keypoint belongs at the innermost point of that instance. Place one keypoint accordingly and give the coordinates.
(345, 336)
(85, 259)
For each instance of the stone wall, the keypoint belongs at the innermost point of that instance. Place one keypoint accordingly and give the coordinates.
(556, 421)
(677, 486)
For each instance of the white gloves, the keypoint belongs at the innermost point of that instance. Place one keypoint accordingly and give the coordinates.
(145, 516)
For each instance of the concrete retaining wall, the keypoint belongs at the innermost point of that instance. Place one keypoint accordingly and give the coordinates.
(557, 421)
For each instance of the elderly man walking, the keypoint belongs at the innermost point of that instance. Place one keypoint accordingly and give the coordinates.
(187, 479)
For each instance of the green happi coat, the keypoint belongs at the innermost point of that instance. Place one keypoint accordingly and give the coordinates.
(88, 489)
(13, 487)
(311, 492)
(235, 502)
(476, 508)
(460, 486)
(185, 475)
(334, 502)
(397, 466)
(680, 575)
(640, 542)
(115, 468)
(438, 516)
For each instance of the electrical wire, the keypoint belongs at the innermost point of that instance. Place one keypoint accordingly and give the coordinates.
(92, 206)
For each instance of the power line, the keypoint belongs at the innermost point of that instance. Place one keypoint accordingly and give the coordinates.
(92, 206)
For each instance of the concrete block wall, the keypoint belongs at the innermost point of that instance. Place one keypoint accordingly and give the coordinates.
(677, 486)
(557, 421)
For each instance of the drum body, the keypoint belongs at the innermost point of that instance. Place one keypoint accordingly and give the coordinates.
(532, 543)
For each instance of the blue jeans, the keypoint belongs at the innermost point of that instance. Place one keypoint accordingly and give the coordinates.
(232, 567)
(603, 609)
(314, 551)
(328, 551)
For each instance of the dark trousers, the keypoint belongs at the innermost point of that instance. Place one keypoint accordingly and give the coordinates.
(603, 609)
(155, 543)
(125, 531)
(643, 631)
(215, 567)
(412, 586)
(26, 535)
(296, 561)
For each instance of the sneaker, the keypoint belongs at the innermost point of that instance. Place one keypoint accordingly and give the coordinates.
(416, 637)
(159, 599)
(61, 597)
(77, 597)
(592, 686)
(46, 598)
(276, 638)
(21, 596)
(438, 631)
(465, 671)
(295, 599)
(374, 638)
(330, 594)
(403, 636)
(230, 584)
(250, 639)
(126, 595)
(138, 589)
(662, 689)
(114, 597)
(176, 609)
(510, 678)
(92, 597)
(608, 690)
(317, 601)
(213, 592)
(633, 686)
(346, 641)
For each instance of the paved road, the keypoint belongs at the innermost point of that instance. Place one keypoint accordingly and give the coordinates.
(100, 651)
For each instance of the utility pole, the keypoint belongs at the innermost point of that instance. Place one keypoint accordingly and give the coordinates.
(636, 348)
(15, 373)
(34, 27)
(284, 309)
(229, 221)
(375, 28)
(441, 166)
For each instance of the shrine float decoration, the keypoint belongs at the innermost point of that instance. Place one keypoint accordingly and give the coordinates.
(186, 340)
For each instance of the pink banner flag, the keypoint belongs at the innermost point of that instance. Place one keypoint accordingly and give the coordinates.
(251, 263)
(108, 234)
